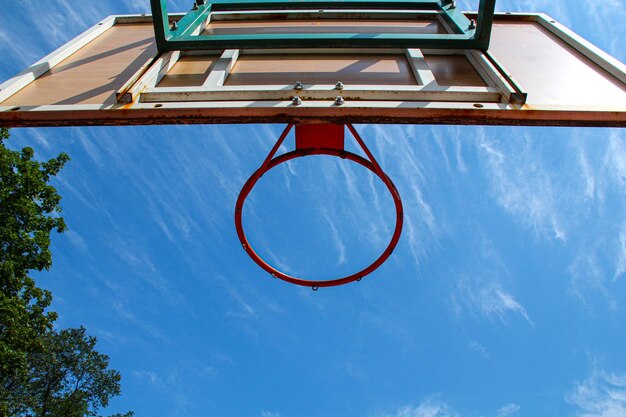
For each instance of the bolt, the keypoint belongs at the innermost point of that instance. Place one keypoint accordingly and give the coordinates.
(339, 100)
(472, 24)
(339, 85)
(296, 101)
(298, 86)
(174, 25)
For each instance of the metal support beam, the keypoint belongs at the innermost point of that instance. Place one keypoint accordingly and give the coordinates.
(161, 24)
(486, 10)
(222, 68)
(467, 34)
(192, 20)
(456, 20)
(421, 70)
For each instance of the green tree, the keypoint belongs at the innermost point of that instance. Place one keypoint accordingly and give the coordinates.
(43, 372)
(70, 378)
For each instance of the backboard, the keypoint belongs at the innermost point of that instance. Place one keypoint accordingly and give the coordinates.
(534, 72)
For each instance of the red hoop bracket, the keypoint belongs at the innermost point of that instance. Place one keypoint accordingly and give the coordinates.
(325, 139)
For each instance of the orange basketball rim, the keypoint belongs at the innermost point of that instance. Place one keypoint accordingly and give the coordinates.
(321, 139)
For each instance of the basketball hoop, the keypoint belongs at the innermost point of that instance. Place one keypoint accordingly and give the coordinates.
(319, 140)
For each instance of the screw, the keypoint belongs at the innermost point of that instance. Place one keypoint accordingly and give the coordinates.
(296, 101)
(314, 288)
(452, 5)
(298, 86)
(339, 85)
(174, 25)
(472, 24)
(339, 100)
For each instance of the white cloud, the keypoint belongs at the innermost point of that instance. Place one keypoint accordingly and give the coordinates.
(616, 156)
(5, 39)
(138, 260)
(621, 254)
(576, 199)
(600, 218)
(603, 11)
(521, 185)
(111, 337)
(39, 137)
(588, 174)
(435, 407)
(589, 278)
(147, 376)
(64, 14)
(487, 299)
(477, 347)
(481, 289)
(508, 410)
(209, 371)
(245, 307)
(77, 240)
(404, 151)
(460, 162)
(137, 7)
(431, 407)
(266, 413)
(340, 247)
(603, 394)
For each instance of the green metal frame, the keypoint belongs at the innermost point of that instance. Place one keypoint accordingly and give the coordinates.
(180, 37)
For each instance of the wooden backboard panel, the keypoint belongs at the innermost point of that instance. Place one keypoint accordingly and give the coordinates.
(93, 74)
(535, 73)
(189, 71)
(450, 70)
(557, 75)
(272, 69)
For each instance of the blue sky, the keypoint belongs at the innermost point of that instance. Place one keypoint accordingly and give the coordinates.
(506, 295)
